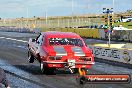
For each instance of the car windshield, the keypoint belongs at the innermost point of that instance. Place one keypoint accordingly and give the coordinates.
(66, 41)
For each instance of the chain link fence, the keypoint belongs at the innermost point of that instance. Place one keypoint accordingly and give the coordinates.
(51, 22)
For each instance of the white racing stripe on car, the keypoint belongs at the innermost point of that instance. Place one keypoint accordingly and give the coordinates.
(13, 39)
(60, 51)
(78, 51)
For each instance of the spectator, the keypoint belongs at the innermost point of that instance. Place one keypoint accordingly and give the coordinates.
(3, 78)
(121, 18)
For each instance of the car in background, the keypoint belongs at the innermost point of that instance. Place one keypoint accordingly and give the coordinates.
(127, 19)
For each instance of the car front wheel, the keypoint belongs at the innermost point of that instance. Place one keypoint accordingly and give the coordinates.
(30, 57)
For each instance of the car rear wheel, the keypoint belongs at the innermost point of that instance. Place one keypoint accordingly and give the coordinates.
(46, 70)
(50, 71)
(30, 57)
(42, 67)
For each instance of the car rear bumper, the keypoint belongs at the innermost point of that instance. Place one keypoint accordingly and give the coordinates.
(65, 64)
(53, 62)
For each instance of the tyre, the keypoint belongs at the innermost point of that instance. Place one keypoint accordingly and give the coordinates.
(42, 67)
(30, 57)
(50, 71)
(46, 70)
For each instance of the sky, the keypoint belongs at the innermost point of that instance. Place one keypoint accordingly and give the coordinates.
(38, 8)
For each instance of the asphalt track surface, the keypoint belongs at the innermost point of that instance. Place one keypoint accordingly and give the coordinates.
(21, 74)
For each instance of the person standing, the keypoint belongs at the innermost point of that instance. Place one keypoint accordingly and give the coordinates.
(121, 18)
(3, 79)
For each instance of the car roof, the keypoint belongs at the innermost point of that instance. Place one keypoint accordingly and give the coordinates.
(58, 34)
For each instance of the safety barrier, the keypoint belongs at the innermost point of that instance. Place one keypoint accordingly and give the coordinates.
(117, 52)
(125, 35)
(84, 32)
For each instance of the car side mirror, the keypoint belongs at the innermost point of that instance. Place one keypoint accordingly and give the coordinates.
(33, 40)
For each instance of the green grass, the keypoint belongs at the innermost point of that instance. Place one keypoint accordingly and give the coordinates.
(124, 24)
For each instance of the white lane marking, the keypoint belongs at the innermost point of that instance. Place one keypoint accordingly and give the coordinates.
(13, 39)
(21, 74)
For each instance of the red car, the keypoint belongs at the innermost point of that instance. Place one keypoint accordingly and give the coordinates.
(60, 50)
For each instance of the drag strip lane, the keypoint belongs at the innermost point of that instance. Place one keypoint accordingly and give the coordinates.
(29, 80)
(17, 57)
(13, 39)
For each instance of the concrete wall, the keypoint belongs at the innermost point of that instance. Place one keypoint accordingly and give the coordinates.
(113, 54)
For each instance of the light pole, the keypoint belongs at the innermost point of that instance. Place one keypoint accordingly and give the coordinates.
(72, 11)
(46, 17)
(27, 17)
(113, 2)
(108, 11)
(113, 8)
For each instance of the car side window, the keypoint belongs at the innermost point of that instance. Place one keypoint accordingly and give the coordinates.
(40, 40)
(38, 37)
